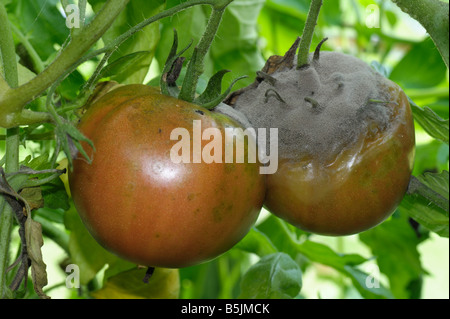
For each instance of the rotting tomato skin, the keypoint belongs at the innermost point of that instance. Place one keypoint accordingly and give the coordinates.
(358, 190)
(143, 207)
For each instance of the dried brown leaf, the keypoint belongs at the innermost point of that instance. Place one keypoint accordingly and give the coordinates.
(34, 241)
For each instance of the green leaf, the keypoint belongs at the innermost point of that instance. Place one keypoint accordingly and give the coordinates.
(422, 66)
(325, 255)
(163, 284)
(41, 22)
(55, 195)
(345, 264)
(280, 25)
(213, 89)
(394, 245)
(434, 17)
(331, 13)
(235, 47)
(54, 215)
(71, 85)
(190, 25)
(53, 192)
(127, 64)
(432, 156)
(239, 27)
(24, 73)
(275, 276)
(257, 242)
(211, 101)
(285, 239)
(391, 17)
(363, 283)
(292, 7)
(434, 125)
(145, 40)
(438, 182)
(418, 205)
(281, 234)
(39, 162)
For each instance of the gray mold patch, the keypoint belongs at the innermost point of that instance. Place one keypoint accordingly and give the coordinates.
(321, 109)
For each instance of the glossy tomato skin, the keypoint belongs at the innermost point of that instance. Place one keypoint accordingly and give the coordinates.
(358, 190)
(139, 204)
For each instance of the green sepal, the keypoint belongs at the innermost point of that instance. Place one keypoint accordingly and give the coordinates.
(70, 139)
(126, 64)
(213, 89)
(211, 97)
(166, 87)
(187, 89)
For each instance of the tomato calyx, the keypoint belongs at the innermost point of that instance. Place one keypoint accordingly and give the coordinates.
(210, 97)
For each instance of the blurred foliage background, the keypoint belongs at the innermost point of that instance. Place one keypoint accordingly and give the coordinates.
(401, 258)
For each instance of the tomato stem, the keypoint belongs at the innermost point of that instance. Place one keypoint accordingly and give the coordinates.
(148, 274)
(15, 99)
(195, 67)
(38, 64)
(7, 50)
(8, 58)
(71, 56)
(308, 32)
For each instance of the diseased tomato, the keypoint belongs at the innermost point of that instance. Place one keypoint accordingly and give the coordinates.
(360, 189)
(346, 142)
(143, 206)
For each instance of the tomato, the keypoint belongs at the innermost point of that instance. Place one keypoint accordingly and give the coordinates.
(144, 207)
(346, 141)
(358, 190)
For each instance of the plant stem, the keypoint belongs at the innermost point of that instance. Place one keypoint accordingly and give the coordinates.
(6, 220)
(433, 15)
(308, 32)
(195, 67)
(47, 136)
(7, 50)
(14, 100)
(25, 117)
(82, 8)
(37, 62)
(8, 58)
(167, 13)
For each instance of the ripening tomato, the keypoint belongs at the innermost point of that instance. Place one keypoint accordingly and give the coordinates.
(145, 207)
